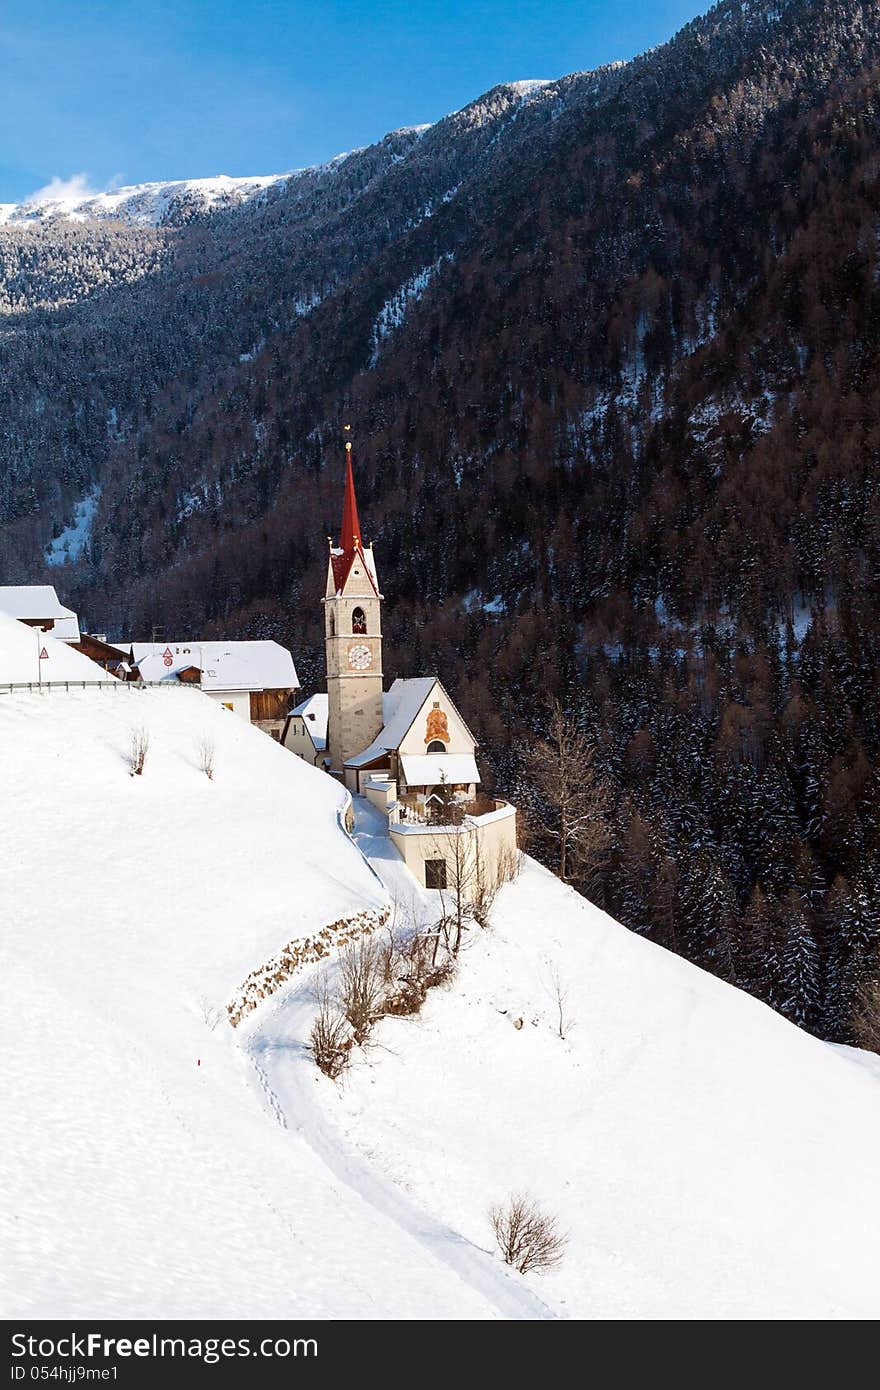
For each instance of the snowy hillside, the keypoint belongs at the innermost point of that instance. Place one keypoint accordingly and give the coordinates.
(146, 1173)
(707, 1158)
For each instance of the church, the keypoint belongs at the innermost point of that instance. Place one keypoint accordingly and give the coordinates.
(410, 736)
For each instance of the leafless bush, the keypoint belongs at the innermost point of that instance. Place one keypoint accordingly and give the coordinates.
(489, 873)
(361, 991)
(527, 1237)
(212, 1014)
(138, 748)
(408, 969)
(485, 882)
(558, 991)
(866, 1020)
(207, 756)
(330, 1039)
(510, 863)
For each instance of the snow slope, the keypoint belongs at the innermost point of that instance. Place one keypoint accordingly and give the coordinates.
(143, 1170)
(708, 1159)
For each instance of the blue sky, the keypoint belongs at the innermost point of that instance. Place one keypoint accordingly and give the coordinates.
(125, 92)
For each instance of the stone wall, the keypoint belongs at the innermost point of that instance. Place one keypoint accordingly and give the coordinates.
(306, 950)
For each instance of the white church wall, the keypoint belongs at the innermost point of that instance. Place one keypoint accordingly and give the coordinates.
(496, 833)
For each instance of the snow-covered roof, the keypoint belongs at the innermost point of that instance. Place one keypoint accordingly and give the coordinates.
(400, 705)
(315, 713)
(21, 662)
(260, 665)
(431, 769)
(31, 602)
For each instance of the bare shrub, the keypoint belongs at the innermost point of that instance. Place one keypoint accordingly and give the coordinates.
(361, 985)
(330, 1039)
(138, 748)
(485, 883)
(559, 992)
(212, 1014)
(207, 756)
(866, 1019)
(409, 967)
(510, 863)
(489, 873)
(404, 964)
(528, 1238)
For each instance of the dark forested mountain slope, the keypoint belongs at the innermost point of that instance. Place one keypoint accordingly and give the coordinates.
(609, 347)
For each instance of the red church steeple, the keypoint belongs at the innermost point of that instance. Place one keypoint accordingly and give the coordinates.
(351, 543)
(350, 537)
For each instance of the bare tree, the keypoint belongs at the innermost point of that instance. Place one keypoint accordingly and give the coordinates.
(207, 756)
(330, 1037)
(138, 748)
(866, 1020)
(559, 993)
(361, 985)
(458, 848)
(528, 1238)
(563, 767)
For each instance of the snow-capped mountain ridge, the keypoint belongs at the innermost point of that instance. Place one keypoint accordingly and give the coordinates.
(145, 204)
(170, 201)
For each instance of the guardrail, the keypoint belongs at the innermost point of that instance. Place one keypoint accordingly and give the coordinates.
(8, 687)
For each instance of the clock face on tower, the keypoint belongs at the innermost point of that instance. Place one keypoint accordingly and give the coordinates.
(360, 657)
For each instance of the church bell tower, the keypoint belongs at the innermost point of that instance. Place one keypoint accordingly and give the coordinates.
(352, 637)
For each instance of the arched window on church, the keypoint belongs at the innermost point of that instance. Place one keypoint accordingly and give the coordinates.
(332, 623)
(358, 620)
(435, 746)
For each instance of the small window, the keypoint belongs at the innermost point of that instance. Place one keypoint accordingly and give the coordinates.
(435, 873)
(358, 620)
(435, 746)
(332, 623)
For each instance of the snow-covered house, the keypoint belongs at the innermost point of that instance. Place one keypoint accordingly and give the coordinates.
(255, 680)
(305, 730)
(38, 605)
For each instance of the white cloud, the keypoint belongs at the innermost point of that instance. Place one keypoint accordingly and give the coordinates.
(74, 190)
